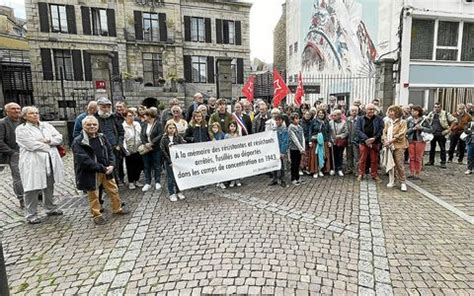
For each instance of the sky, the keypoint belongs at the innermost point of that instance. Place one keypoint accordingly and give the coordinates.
(264, 15)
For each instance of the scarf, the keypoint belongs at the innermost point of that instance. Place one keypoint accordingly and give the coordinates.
(242, 130)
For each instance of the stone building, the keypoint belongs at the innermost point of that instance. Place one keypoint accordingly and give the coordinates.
(140, 50)
(279, 42)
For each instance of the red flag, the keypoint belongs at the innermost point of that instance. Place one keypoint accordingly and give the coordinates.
(280, 90)
(299, 94)
(247, 90)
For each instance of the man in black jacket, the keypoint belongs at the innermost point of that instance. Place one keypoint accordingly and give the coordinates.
(94, 164)
(9, 150)
(111, 127)
(198, 100)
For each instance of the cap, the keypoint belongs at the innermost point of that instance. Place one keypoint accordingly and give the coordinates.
(104, 101)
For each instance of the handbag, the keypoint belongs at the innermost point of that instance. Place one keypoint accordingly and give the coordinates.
(341, 142)
(463, 136)
(427, 137)
(61, 150)
(143, 149)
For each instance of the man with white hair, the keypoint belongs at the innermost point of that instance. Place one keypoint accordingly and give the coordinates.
(198, 100)
(9, 149)
(90, 110)
(261, 118)
(94, 164)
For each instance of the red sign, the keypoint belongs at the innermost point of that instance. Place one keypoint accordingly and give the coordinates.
(100, 84)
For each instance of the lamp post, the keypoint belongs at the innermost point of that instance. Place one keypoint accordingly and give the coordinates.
(4, 290)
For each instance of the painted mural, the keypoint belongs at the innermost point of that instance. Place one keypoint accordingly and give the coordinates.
(336, 38)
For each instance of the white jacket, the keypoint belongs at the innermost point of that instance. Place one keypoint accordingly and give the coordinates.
(131, 139)
(35, 155)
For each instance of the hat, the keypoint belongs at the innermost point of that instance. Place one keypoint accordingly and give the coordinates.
(104, 101)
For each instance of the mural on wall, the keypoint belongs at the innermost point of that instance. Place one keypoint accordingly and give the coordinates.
(337, 39)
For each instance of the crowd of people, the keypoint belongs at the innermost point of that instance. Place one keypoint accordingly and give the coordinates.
(112, 148)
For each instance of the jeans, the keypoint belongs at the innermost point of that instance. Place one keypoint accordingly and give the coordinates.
(441, 140)
(470, 156)
(295, 157)
(171, 183)
(112, 192)
(454, 141)
(338, 157)
(416, 151)
(134, 166)
(17, 185)
(365, 151)
(152, 162)
(31, 199)
(279, 175)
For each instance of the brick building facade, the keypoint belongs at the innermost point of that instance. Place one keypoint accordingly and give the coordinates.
(138, 49)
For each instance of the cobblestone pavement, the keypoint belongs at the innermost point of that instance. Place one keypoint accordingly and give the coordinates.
(329, 236)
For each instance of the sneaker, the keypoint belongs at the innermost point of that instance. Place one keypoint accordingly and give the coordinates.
(99, 220)
(146, 187)
(315, 176)
(173, 197)
(295, 182)
(202, 188)
(443, 166)
(340, 173)
(404, 187)
(122, 212)
(450, 160)
(306, 172)
(390, 185)
(238, 184)
(301, 173)
(131, 186)
(272, 183)
(181, 196)
(359, 178)
(331, 173)
(232, 184)
(283, 184)
(55, 213)
(429, 164)
(157, 186)
(138, 184)
(321, 174)
(468, 172)
(222, 186)
(35, 220)
(377, 179)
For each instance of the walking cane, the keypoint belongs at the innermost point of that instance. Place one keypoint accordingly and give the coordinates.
(332, 157)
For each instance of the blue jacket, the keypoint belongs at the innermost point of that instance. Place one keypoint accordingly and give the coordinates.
(378, 129)
(321, 127)
(112, 129)
(308, 127)
(78, 125)
(283, 139)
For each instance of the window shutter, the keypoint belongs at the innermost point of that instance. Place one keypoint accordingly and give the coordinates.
(238, 33)
(225, 32)
(47, 64)
(163, 28)
(77, 65)
(86, 20)
(219, 31)
(188, 74)
(138, 25)
(87, 66)
(111, 22)
(71, 19)
(187, 28)
(43, 15)
(210, 69)
(115, 64)
(240, 71)
(208, 30)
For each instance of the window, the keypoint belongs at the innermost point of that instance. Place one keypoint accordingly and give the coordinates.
(467, 48)
(63, 64)
(198, 30)
(99, 22)
(199, 69)
(152, 68)
(447, 47)
(151, 30)
(296, 47)
(231, 30)
(422, 34)
(58, 18)
(233, 69)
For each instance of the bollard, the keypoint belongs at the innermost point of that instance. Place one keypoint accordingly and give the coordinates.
(4, 291)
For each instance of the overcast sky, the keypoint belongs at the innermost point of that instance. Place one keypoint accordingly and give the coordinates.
(263, 18)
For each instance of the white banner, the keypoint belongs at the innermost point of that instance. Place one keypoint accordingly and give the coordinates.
(201, 164)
